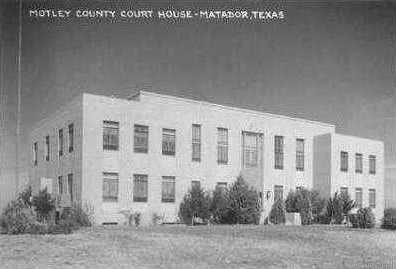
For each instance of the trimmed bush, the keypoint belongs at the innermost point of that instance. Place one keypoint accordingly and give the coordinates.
(365, 218)
(219, 206)
(44, 204)
(76, 216)
(278, 212)
(17, 218)
(243, 203)
(291, 202)
(195, 204)
(389, 220)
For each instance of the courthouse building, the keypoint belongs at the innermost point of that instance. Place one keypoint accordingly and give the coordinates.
(143, 153)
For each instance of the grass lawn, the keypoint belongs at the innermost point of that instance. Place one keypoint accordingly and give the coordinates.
(203, 247)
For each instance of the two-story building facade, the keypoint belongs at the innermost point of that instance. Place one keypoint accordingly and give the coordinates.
(143, 153)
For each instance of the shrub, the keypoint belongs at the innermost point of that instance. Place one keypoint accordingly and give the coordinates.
(318, 204)
(365, 218)
(389, 220)
(243, 203)
(137, 218)
(291, 202)
(76, 216)
(17, 218)
(219, 206)
(157, 219)
(43, 204)
(304, 206)
(338, 207)
(195, 204)
(278, 212)
(26, 196)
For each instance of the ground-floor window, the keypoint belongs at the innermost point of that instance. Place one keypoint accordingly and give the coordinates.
(195, 183)
(278, 192)
(140, 188)
(359, 197)
(110, 187)
(168, 189)
(372, 198)
(70, 186)
(344, 190)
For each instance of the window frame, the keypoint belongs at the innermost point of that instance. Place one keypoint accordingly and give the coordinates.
(278, 189)
(142, 132)
(60, 142)
(300, 155)
(47, 148)
(372, 164)
(165, 197)
(114, 177)
(70, 186)
(35, 153)
(140, 179)
(358, 160)
(222, 145)
(170, 134)
(70, 128)
(344, 161)
(109, 126)
(359, 204)
(250, 154)
(279, 152)
(60, 185)
(196, 143)
(372, 203)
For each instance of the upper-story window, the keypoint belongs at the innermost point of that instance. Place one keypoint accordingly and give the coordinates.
(372, 164)
(344, 161)
(71, 137)
(140, 188)
(60, 142)
(250, 149)
(278, 152)
(196, 142)
(140, 138)
(35, 152)
(110, 187)
(222, 145)
(47, 148)
(358, 163)
(111, 132)
(168, 142)
(299, 154)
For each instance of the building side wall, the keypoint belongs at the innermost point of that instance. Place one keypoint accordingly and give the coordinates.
(322, 164)
(364, 180)
(70, 162)
(158, 113)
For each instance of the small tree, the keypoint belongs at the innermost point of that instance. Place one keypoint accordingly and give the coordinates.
(195, 204)
(219, 206)
(291, 202)
(243, 203)
(43, 204)
(278, 212)
(365, 218)
(304, 206)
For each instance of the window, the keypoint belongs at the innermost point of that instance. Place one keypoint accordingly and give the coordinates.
(299, 154)
(344, 161)
(168, 142)
(372, 165)
(372, 198)
(358, 163)
(110, 135)
(35, 151)
(343, 190)
(70, 186)
(47, 148)
(195, 183)
(60, 185)
(359, 197)
(71, 137)
(278, 192)
(140, 139)
(196, 142)
(250, 149)
(60, 142)
(140, 188)
(222, 145)
(278, 149)
(168, 189)
(221, 185)
(110, 187)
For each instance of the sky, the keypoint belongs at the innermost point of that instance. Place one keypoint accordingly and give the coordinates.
(326, 61)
